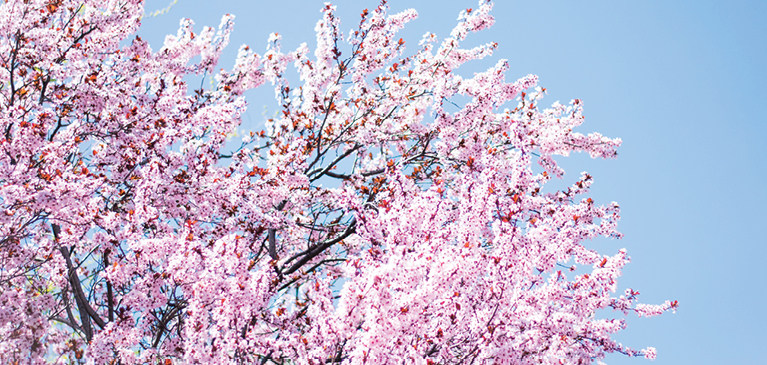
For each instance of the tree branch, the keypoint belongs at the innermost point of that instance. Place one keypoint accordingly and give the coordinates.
(86, 311)
(317, 249)
(319, 172)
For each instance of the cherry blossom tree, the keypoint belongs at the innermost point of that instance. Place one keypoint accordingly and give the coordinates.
(374, 220)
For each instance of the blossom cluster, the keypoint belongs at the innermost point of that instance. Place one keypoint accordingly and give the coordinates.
(374, 220)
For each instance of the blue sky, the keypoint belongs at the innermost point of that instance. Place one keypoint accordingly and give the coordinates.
(682, 83)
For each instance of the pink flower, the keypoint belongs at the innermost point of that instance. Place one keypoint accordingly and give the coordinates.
(650, 353)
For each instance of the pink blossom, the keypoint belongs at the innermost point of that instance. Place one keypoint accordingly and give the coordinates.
(373, 220)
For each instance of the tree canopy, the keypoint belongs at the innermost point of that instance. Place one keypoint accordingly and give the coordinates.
(373, 220)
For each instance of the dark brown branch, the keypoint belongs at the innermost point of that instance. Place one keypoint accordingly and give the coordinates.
(311, 253)
(273, 234)
(65, 296)
(86, 311)
(320, 172)
(110, 295)
(42, 90)
(56, 130)
(14, 53)
(319, 138)
(345, 177)
(284, 286)
(66, 322)
(167, 317)
(273, 243)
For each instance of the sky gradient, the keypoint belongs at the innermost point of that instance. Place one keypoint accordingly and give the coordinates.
(682, 83)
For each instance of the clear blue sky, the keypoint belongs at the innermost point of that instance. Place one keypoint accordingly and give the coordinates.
(681, 82)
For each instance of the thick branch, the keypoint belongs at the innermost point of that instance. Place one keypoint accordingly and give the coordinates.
(42, 89)
(273, 243)
(110, 295)
(273, 235)
(86, 311)
(72, 323)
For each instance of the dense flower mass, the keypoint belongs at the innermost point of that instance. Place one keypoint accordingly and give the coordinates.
(373, 221)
